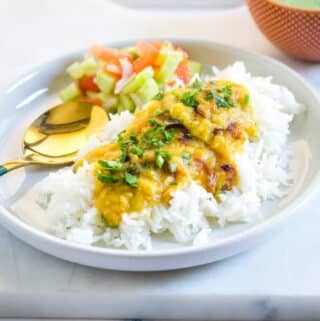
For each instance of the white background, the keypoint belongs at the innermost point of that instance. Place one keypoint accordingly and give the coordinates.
(33, 32)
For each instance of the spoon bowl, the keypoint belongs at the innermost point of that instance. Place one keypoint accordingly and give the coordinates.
(56, 136)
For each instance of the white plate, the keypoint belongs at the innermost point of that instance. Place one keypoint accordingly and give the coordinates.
(33, 93)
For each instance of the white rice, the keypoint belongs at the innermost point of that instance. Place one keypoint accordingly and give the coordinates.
(192, 213)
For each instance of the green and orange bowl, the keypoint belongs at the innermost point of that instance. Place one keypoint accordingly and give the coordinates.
(294, 30)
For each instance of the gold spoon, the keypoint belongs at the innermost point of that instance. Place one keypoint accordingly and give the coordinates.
(55, 137)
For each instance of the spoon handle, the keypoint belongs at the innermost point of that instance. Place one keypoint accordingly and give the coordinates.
(9, 166)
(3, 170)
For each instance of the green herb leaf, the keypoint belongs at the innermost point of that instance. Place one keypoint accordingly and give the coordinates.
(222, 192)
(163, 153)
(246, 100)
(158, 135)
(159, 161)
(226, 92)
(186, 158)
(172, 167)
(120, 136)
(220, 101)
(133, 139)
(106, 178)
(130, 179)
(111, 165)
(134, 169)
(189, 99)
(153, 122)
(159, 95)
(161, 157)
(136, 150)
(197, 84)
(158, 112)
(124, 155)
(168, 135)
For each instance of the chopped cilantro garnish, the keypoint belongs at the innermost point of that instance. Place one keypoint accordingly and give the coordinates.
(189, 99)
(186, 157)
(163, 153)
(133, 139)
(226, 92)
(107, 178)
(125, 144)
(153, 122)
(158, 112)
(111, 165)
(159, 161)
(124, 154)
(172, 167)
(168, 135)
(159, 95)
(130, 179)
(136, 150)
(220, 101)
(158, 135)
(197, 84)
(246, 100)
(134, 169)
(120, 137)
(161, 157)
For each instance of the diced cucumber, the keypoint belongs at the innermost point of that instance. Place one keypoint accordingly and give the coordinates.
(121, 108)
(86, 67)
(89, 66)
(194, 67)
(166, 45)
(127, 103)
(137, 80)
(169, 66)
(148, 90)
(105, 82)
(111, 102)
(99, 95)
(70, 92)
(75, 71)
(92, 94)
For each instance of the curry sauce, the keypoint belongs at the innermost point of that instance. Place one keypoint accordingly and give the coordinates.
(188, 134)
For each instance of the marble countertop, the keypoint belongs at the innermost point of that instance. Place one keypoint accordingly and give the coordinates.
(278, 280)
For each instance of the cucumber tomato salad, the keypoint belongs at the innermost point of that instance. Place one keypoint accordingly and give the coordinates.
(127, 78)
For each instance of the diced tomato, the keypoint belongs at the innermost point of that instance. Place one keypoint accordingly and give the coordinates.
(113, 70)
(147, 55)
(183, 71)
(185, 54)
(86, 83)
(157, 44)
(109, 54)
(94, 101)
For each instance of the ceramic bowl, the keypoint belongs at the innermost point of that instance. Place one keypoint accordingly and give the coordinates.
(294, 30)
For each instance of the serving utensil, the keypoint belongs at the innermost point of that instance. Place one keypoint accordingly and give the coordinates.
(56, 136)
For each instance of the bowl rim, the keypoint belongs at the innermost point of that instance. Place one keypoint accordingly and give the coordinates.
(293, 7)
(13, 223)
